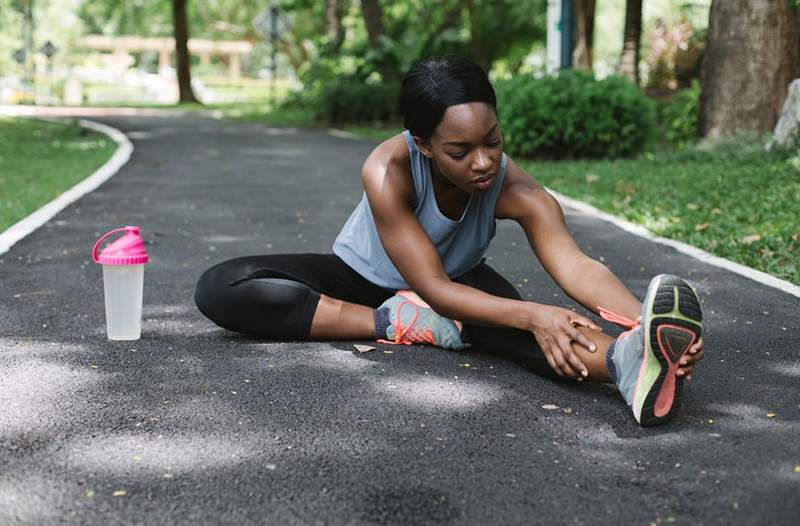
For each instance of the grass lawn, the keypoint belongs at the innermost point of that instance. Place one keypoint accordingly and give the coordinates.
(40, 160)
(737, 201)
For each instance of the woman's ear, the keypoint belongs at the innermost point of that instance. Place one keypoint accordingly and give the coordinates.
(423, 147)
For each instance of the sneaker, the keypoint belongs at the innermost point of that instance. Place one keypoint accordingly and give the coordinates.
(412, 320)
(646, 357)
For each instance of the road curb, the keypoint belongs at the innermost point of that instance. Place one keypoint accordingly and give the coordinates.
(638, 230)
(29, 224)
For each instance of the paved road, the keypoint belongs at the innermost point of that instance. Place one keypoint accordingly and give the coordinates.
(199, 425)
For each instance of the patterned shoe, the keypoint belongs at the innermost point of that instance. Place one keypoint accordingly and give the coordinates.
(646, 358)
(419, 323)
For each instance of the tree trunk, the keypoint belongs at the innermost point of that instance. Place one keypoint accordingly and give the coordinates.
(333, 22)
(750, 59)
(479, 50)
(584, 34)
(373, 20)
(182, 51)
(629, 62)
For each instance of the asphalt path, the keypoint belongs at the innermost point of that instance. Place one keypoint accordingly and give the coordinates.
(195, 424)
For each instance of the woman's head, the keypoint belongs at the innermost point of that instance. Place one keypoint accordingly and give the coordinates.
(435, 84)
(449, 106)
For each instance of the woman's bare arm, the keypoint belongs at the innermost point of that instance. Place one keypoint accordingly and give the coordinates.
(586, 280)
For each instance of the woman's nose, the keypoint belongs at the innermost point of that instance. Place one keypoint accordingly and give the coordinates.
(482, 162)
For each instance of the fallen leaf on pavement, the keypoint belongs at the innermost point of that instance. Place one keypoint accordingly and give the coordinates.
(771, 414)
(119, 493)
(363, 348)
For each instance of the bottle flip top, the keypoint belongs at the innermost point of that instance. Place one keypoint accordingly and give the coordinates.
(127, 250)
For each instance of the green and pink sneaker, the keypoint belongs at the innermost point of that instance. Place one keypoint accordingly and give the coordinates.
(405, 319)
(643, 361)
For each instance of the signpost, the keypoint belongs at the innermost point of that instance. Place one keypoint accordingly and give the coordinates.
(271, 23)
(48, 50)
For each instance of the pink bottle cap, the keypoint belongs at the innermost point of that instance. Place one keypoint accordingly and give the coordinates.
(127, 250)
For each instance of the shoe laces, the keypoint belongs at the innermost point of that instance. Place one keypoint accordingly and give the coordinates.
(620, 320)
(409, 334)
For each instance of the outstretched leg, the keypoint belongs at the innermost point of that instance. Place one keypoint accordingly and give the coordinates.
(290, 297)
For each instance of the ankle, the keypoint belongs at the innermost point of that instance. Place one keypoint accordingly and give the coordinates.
(382, 321)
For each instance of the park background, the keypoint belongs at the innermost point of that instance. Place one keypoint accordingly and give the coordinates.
(658, 111)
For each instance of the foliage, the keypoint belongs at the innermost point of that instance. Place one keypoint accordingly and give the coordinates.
(679, 117)
(573, 115)
(348, 100)
(731, 198)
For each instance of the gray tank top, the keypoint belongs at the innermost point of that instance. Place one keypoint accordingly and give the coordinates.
(460, 244)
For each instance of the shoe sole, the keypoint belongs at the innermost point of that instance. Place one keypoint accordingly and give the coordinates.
(673, 321)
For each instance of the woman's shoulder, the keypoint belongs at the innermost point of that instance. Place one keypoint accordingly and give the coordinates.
(389, 163)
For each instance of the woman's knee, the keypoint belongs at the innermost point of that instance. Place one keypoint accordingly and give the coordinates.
(265, 307)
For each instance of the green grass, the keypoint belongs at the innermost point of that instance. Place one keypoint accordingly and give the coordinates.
(40, 160)
(736, 201)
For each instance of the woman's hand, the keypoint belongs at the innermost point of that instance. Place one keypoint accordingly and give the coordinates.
(687, 363)
(554, 329)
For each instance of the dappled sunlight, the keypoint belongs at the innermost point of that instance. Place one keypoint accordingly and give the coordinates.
(329, 359)
(750, 418)
(25, 348)
(785, 368)
(24, 498)
(224, 239)
(153, 133)
(131, 453)
(274, 152)
(434, 392)
(33, 392)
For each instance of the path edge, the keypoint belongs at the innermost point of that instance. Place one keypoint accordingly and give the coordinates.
(638, 230)
(32, 222)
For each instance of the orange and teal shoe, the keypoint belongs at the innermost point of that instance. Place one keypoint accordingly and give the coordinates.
(644, 360)
(417, 323)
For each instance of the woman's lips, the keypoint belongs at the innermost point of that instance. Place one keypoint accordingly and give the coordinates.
(483, 183)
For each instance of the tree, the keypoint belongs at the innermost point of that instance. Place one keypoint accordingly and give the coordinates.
(584, 34)
(750, 58)
(373, 21)
(182, 51)
(334, 10)
(631, 42)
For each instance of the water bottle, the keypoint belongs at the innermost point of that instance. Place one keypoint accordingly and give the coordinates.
(123, 282)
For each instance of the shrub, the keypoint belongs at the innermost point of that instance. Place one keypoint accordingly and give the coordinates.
(573, 115)
(679, 117)
(348, 100)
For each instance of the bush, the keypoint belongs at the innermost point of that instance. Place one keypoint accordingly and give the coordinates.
(573, 115)
(679, 117)
(348, 100)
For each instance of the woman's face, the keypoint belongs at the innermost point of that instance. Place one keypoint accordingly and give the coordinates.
(466, 147)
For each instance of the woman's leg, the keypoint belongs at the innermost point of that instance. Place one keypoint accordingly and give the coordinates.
(521, 346)
(290, 296)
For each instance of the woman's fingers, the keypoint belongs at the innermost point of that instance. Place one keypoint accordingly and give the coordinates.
(585, 322)
(582, 339)
(571, 365)
(545, 346)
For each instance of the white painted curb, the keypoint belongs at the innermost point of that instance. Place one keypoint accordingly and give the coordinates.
(27, 225)
(705, 257)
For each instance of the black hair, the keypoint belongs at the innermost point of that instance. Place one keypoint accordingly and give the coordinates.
(436, 83)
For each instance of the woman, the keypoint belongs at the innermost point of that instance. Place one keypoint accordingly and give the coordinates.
(407, 266)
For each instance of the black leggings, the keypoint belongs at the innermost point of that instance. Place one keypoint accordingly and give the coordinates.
(275, 297)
